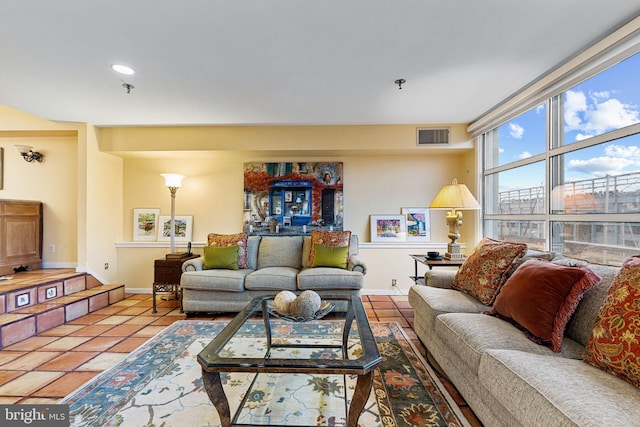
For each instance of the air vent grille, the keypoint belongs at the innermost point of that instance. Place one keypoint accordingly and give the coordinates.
(433, 136)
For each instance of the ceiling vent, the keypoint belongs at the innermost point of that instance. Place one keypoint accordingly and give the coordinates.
(432, 136)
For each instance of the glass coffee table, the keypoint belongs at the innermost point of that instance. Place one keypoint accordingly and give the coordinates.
(350, 350)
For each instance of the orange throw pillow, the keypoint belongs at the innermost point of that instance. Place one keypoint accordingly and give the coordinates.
(485, 271)
(239, 239)
(328, 238)
(614, 345)
(541, 297)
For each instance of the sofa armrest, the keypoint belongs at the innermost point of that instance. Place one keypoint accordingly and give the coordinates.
(194, 264)
(356, 264)
(440, 278)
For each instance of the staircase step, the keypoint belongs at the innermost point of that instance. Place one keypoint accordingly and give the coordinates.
(33, 302)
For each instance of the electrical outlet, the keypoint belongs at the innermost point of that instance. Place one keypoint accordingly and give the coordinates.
(52, 249)
(106, 265)
(393, 282)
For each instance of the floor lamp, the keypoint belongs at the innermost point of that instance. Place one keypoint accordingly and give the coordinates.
(173, 182)
(454, 196)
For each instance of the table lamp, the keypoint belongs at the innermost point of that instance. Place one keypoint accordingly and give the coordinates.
(454, 196)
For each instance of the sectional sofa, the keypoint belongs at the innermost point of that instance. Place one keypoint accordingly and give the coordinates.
(510, 380)
(274, 263)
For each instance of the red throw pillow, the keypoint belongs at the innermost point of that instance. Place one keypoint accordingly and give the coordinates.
(485, 271)
(238, 239)
(328, 238)
(541, 297)
(614, 345)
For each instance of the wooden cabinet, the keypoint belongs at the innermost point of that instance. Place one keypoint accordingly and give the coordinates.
(166, 276)
(20, 235)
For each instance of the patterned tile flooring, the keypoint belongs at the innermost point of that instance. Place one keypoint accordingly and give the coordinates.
(47, 367)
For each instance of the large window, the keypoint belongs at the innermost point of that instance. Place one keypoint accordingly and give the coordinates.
(565, 175)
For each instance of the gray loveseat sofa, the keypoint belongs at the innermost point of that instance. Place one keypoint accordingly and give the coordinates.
(275, 264)
(507, 379)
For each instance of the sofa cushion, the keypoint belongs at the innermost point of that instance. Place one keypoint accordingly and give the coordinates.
(614, 345)
(485, 271)
(320, 278)
(328, 238)
(239, 239)
(429, 302)
(469, 335)
(253, 244)
(330, 256)
(540, 390)
(282, 251)
(272, 279)
(215, 280)
(541, 296)
(581, 324)
(225, 257)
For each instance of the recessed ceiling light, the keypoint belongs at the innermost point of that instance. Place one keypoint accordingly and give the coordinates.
(123, 69)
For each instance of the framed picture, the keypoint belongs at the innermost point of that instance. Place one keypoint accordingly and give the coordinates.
(183, 228)
(418, 224)
(388, 228)
(145, 224)
(23, 299)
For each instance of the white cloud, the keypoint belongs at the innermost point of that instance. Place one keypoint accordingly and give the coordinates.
(600, 166)
(500, 150)
(516, 131)
(524, 155)
(540, 108)
(597, 114)
(614, 161)
(574, 104)
(630, 152)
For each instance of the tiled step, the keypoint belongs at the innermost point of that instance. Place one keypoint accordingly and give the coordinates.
(33, 302)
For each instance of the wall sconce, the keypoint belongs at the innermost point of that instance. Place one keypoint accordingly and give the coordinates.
(28, 154)
(454, 196)
(173, 181)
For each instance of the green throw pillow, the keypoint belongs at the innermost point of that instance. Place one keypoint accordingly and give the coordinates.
(330, 256)
(224, 257)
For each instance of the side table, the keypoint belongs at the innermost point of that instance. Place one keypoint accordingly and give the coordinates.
(166, 276)
(422, 259)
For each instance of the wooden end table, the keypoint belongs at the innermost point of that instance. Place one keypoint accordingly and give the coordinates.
(166, 276)
(422, 259)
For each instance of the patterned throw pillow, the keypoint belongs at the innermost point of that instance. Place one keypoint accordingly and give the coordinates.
(328, 238)
(614, 345)
(487, 268)
(540, 298)
(239, 239)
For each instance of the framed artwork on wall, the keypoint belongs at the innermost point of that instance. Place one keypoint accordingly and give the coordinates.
(145, 224)
(418, 224)
(183, 227)
(388, 228)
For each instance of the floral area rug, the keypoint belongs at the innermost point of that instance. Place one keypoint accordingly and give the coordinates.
(160, 384)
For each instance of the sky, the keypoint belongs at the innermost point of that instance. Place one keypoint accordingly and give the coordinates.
(605, 102)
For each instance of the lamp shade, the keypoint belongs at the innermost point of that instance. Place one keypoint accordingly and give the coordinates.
(172, 179)
(454, 196)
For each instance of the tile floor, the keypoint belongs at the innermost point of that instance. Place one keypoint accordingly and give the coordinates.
(47, 367)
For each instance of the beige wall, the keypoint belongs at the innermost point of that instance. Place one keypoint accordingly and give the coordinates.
(93, 178)
(378, 180)
(53, 182)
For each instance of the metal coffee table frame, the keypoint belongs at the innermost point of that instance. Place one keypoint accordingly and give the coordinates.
(212, 363)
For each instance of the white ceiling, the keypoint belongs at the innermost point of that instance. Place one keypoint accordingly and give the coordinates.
(286, 61)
